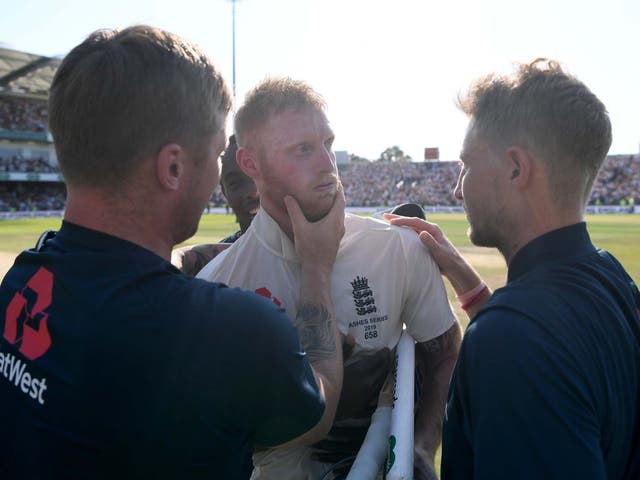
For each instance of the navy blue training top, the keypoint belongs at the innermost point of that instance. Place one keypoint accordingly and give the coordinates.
(115, 365)
(547, 384)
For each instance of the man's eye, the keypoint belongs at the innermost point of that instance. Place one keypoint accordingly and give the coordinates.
(329, 143)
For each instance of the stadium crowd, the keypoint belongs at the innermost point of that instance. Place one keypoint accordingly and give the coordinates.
(31, 196)
(19, 164)
(618, 181)
(367, 184)
(374, 184)
(23, 114)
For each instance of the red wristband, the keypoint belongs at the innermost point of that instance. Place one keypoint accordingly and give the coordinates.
(475, 297)
(468, 295)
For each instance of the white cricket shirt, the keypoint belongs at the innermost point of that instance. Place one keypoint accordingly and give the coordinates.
(383, 277)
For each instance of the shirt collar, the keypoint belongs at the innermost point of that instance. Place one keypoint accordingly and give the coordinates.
(103, 242)
(555, 246)
(94, 238)
(272, 236)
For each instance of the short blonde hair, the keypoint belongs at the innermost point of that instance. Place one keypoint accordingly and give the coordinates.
(551, 113)
(271, 97)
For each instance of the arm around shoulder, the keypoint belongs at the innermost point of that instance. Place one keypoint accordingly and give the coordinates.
(471, 290)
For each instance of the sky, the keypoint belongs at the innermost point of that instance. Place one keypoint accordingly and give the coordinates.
(389, 70)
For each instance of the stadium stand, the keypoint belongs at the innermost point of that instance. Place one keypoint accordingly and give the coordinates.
(380, 184)
(32, 196)
(23, 115)
(618, 181)
(31, 182)
(431, 183)
(18, 164)
(29, 177)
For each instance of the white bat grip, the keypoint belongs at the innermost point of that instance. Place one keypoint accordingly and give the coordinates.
(373, 451)
(400, 455)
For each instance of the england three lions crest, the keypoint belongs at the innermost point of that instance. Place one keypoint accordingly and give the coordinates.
(363, 296)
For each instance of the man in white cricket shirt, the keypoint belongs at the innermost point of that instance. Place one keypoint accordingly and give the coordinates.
(378, 281)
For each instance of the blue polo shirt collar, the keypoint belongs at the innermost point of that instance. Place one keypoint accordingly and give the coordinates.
(555, 246)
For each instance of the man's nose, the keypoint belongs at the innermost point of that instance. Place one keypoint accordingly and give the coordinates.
(457, 190)
(326, 160)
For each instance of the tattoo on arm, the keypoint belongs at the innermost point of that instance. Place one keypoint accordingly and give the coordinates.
(197, 258)
(315, 328)
(445, 342)
(200, 261)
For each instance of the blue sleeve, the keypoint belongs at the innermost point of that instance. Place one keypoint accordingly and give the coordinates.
(281, 398)
(518, 406)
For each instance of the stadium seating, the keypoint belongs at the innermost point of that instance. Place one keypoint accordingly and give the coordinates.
(30, 179)
(431, 183)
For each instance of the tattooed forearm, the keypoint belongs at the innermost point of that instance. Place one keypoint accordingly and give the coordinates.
(448, 341)
(315, 328)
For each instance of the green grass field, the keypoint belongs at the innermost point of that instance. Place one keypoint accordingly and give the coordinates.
(620, 234)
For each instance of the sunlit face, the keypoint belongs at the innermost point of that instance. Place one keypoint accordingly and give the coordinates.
(240, 191)
(296, 158)
(481, 188)
(200, 178)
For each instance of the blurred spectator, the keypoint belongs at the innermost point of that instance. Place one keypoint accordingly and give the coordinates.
(366, 184)
(30, 196)
(18, 164)
(618, 181)
(23, 114)
(378, 184)
(391, 183)
(217, 198)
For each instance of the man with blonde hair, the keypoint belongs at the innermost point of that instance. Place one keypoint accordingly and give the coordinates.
(378, 282)
(547, 384)
(113, 364)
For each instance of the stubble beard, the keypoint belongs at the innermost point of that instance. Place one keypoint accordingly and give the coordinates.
(479, 238)
(186, 225)
(483, 231)
(315, 210)
(493, 229)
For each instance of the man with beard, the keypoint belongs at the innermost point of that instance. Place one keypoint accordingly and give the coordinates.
(547, 384)
(114, 364)
(242, 196)
(378, 284)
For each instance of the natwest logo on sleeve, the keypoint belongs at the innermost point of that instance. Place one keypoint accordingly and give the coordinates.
(26, 320)
(14, 370)
(26, 325)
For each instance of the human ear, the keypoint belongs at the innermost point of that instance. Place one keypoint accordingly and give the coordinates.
(520, 163)
(247, 161)
(170, 166)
